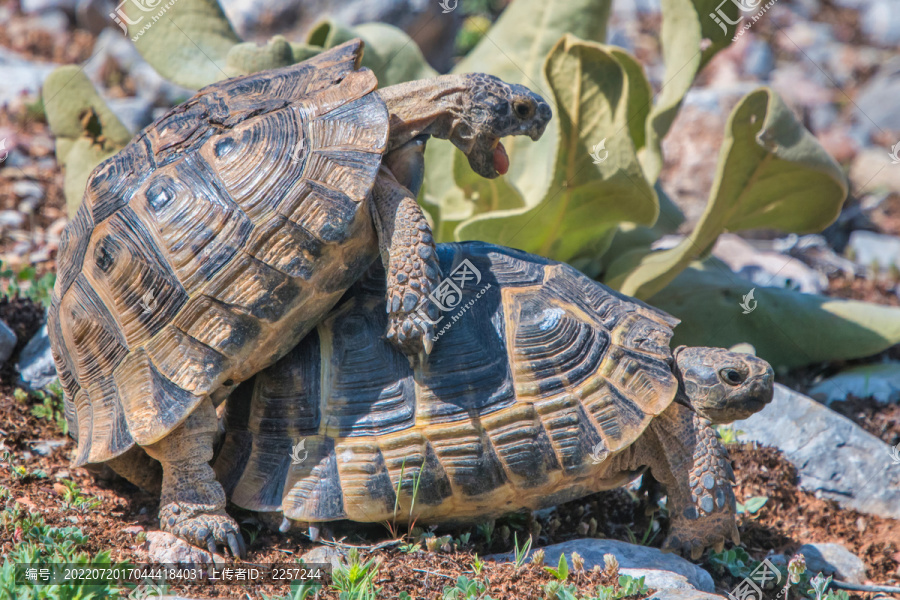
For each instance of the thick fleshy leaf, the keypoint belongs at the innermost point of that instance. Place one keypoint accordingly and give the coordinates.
(86, 130)
(690, 37)
(391, 54)
(187, 43)
(587, 199)
(787, 328)
(514, 50)
(772, 173)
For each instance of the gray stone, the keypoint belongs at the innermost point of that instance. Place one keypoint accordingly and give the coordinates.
(25, 188)
(881, 22)
(20, 76)
(659, 580)
(879, 381)
(36, 367)
(870, 249)
(629, 556)
(767, 269)
(679, 594)
(325, 555)
(135, 112)
(835, 458)
(875, 101)
(42, 6)
(759, 59)
(834, 559)
(7, 342)
(45, 447)
(165, 548)
(12, 219)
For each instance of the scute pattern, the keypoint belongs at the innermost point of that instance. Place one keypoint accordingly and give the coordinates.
(207, 247)
(534, 386)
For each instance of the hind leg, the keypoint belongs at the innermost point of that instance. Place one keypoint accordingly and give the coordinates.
(192, 504)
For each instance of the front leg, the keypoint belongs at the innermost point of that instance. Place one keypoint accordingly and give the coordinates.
(410, 259)
(685, 455)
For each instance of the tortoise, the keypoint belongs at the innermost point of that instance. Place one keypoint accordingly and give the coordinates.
(543, 386)
(218, 237)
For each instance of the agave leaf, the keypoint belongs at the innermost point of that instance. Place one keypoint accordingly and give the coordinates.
(514, 49)
(772, 173)
(391, 54)
(787, 328)
(86, 130)
(187, 43)
(587, 200)
(687, 27)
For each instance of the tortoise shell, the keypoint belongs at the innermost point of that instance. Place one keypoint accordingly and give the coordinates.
(542, 375)
(212, 243)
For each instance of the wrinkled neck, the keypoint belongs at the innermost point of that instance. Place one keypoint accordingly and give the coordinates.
(430, 106)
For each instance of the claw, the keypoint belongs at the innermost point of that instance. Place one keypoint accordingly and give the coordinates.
(735, 535)
(696, 550)
(313, 533)
(211, 544)
(427, 342)
(233, 544)
(719, 545)
(285, 523)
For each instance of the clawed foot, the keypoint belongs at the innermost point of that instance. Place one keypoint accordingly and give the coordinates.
(412, 332)
(205, 530)
(411, 313)
(691, 539)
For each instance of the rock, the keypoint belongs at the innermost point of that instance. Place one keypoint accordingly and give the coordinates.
(133, 530)
(135, 112)
(54, 22)
(20, 76)
(679, 594)
(869, 249)
(325, 555)
(659, 580)
(834, 559)
(165, 548)
(11, 219)
(25, 189)
(878, 381)
(815, 252)
(767, 269)
(43, 6)
(834, 457)
(758, 59)
(881, 23)
(875, 108)
(45, 447)
(36, 367)
(629, 556)
(7, 342)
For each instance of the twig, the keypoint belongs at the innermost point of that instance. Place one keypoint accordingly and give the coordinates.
(340, 544)
(855, 587)
(432, 573)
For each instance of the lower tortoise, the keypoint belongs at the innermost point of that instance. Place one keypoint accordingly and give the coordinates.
(543, 386)
(223, 232)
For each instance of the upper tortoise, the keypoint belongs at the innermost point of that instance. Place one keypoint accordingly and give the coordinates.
(213, 242)
(544, 386)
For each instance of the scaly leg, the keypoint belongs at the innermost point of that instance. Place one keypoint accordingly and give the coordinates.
(409, 256)
(685, 455)
(192, 504)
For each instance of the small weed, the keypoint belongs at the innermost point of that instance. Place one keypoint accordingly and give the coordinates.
(466, 589)
(477, 564)
(26, 284)
(521, 553)
(561, 572)
(736, 561)
(73, 498)
(486, 530)
(356, 580)
(752, 505)
(728, 434)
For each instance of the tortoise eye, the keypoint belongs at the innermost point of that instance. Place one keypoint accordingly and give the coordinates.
(731, 376)
(523, 108)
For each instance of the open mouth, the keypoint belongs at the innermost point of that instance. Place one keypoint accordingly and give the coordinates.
(499, 157)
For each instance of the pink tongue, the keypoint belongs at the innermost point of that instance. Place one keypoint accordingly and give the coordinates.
(501, 160)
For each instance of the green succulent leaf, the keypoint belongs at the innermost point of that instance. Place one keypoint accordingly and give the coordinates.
(391, 54)
(250, 57)
(787, 328)
(187, 43)
(687, 28)
(579, 214)
(86, 130)
(514, 49)
(772, 173)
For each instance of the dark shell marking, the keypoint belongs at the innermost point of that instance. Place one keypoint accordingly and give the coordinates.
(204, 249)
(544, 371)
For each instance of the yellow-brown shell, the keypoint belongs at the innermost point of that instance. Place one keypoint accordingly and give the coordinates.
(212, 243)
(542, 378)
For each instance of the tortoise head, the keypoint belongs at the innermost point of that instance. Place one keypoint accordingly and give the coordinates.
(494, 109)
(723, 386)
